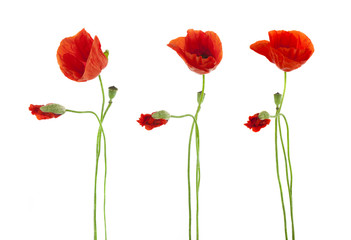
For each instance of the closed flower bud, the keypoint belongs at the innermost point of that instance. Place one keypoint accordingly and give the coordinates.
(263, 115)
(199, 97)
(112, 91)
(277, 99)
(161, 115)
(53, 108)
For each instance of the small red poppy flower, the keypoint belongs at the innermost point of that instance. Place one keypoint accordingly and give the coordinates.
(289, 50)
(35, 109)
(80, 57)
(149, 122)
(201, 51)
(255, 123)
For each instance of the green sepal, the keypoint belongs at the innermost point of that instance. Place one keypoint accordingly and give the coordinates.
(53, 108)
(161, 115)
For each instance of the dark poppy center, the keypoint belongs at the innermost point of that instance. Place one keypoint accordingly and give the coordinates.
(202, 53)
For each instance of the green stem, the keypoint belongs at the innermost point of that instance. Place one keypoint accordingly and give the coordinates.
(278, 176)
(281, 103)
(103, 114)
(105, 157)
(284, 152)
(187, 115)
(188, 172)
(101, 130)
(103, 97)
(108, 107)
(276, 150)
(198, 158)
(189, 147)
(197, 165)
(291, 175)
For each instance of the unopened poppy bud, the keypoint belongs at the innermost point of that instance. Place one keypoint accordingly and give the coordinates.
(161, 115)
(112, 91)
(263, 115)
(53, 108)
(106, 53)
(199, 97)
(277, 99)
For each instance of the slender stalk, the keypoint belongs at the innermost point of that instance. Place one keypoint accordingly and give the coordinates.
(103, 97)
(101, 130)
(188, 173)
(105, 157)
(98, 140)
(197, 165)
(278, 175)
(198, 158)
(285, 156)
(187, 115)
(189, 192)
(108, 107)
(281, 103)
(276, 155)
(291, 175)
(103, 114)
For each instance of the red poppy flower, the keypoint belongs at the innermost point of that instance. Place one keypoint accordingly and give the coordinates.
(80, 57)
(256, 124)
(287, 49)
(201, 51)
(149, 122)
(35, 109)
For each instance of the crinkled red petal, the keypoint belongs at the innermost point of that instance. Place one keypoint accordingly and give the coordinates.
(201, 51)
(256, 124)
(35, 109)
(147, 121)
(289, 50)
(80, 57)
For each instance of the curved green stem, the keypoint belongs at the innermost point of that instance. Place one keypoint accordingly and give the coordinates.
(281, 103)
(198, 159)
(197, 163)
(276, 155)
(108, 107)
(187, 115)
(291, 174)
(103, 97)
(96, 168)
(103, 114)
(189, 147)
(284, 152)
(278, 175)
(105, 157)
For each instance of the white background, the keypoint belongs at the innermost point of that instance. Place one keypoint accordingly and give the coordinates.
(47, 167)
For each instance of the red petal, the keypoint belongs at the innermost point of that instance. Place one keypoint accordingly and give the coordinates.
(262, 47)
(80, 57)
(289, 50)
(201, 51)
(96, 61)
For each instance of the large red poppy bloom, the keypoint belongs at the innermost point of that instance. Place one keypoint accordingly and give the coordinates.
(201, 51)
(35, 109)
(287, 49)
(80, 57)
(149, 122)
(255, 123)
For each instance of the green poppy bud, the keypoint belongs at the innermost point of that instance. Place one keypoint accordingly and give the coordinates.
(53, 108)
(161, 115)
(199, 97)
(263, 115)
(112, 91)
(277, 99)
